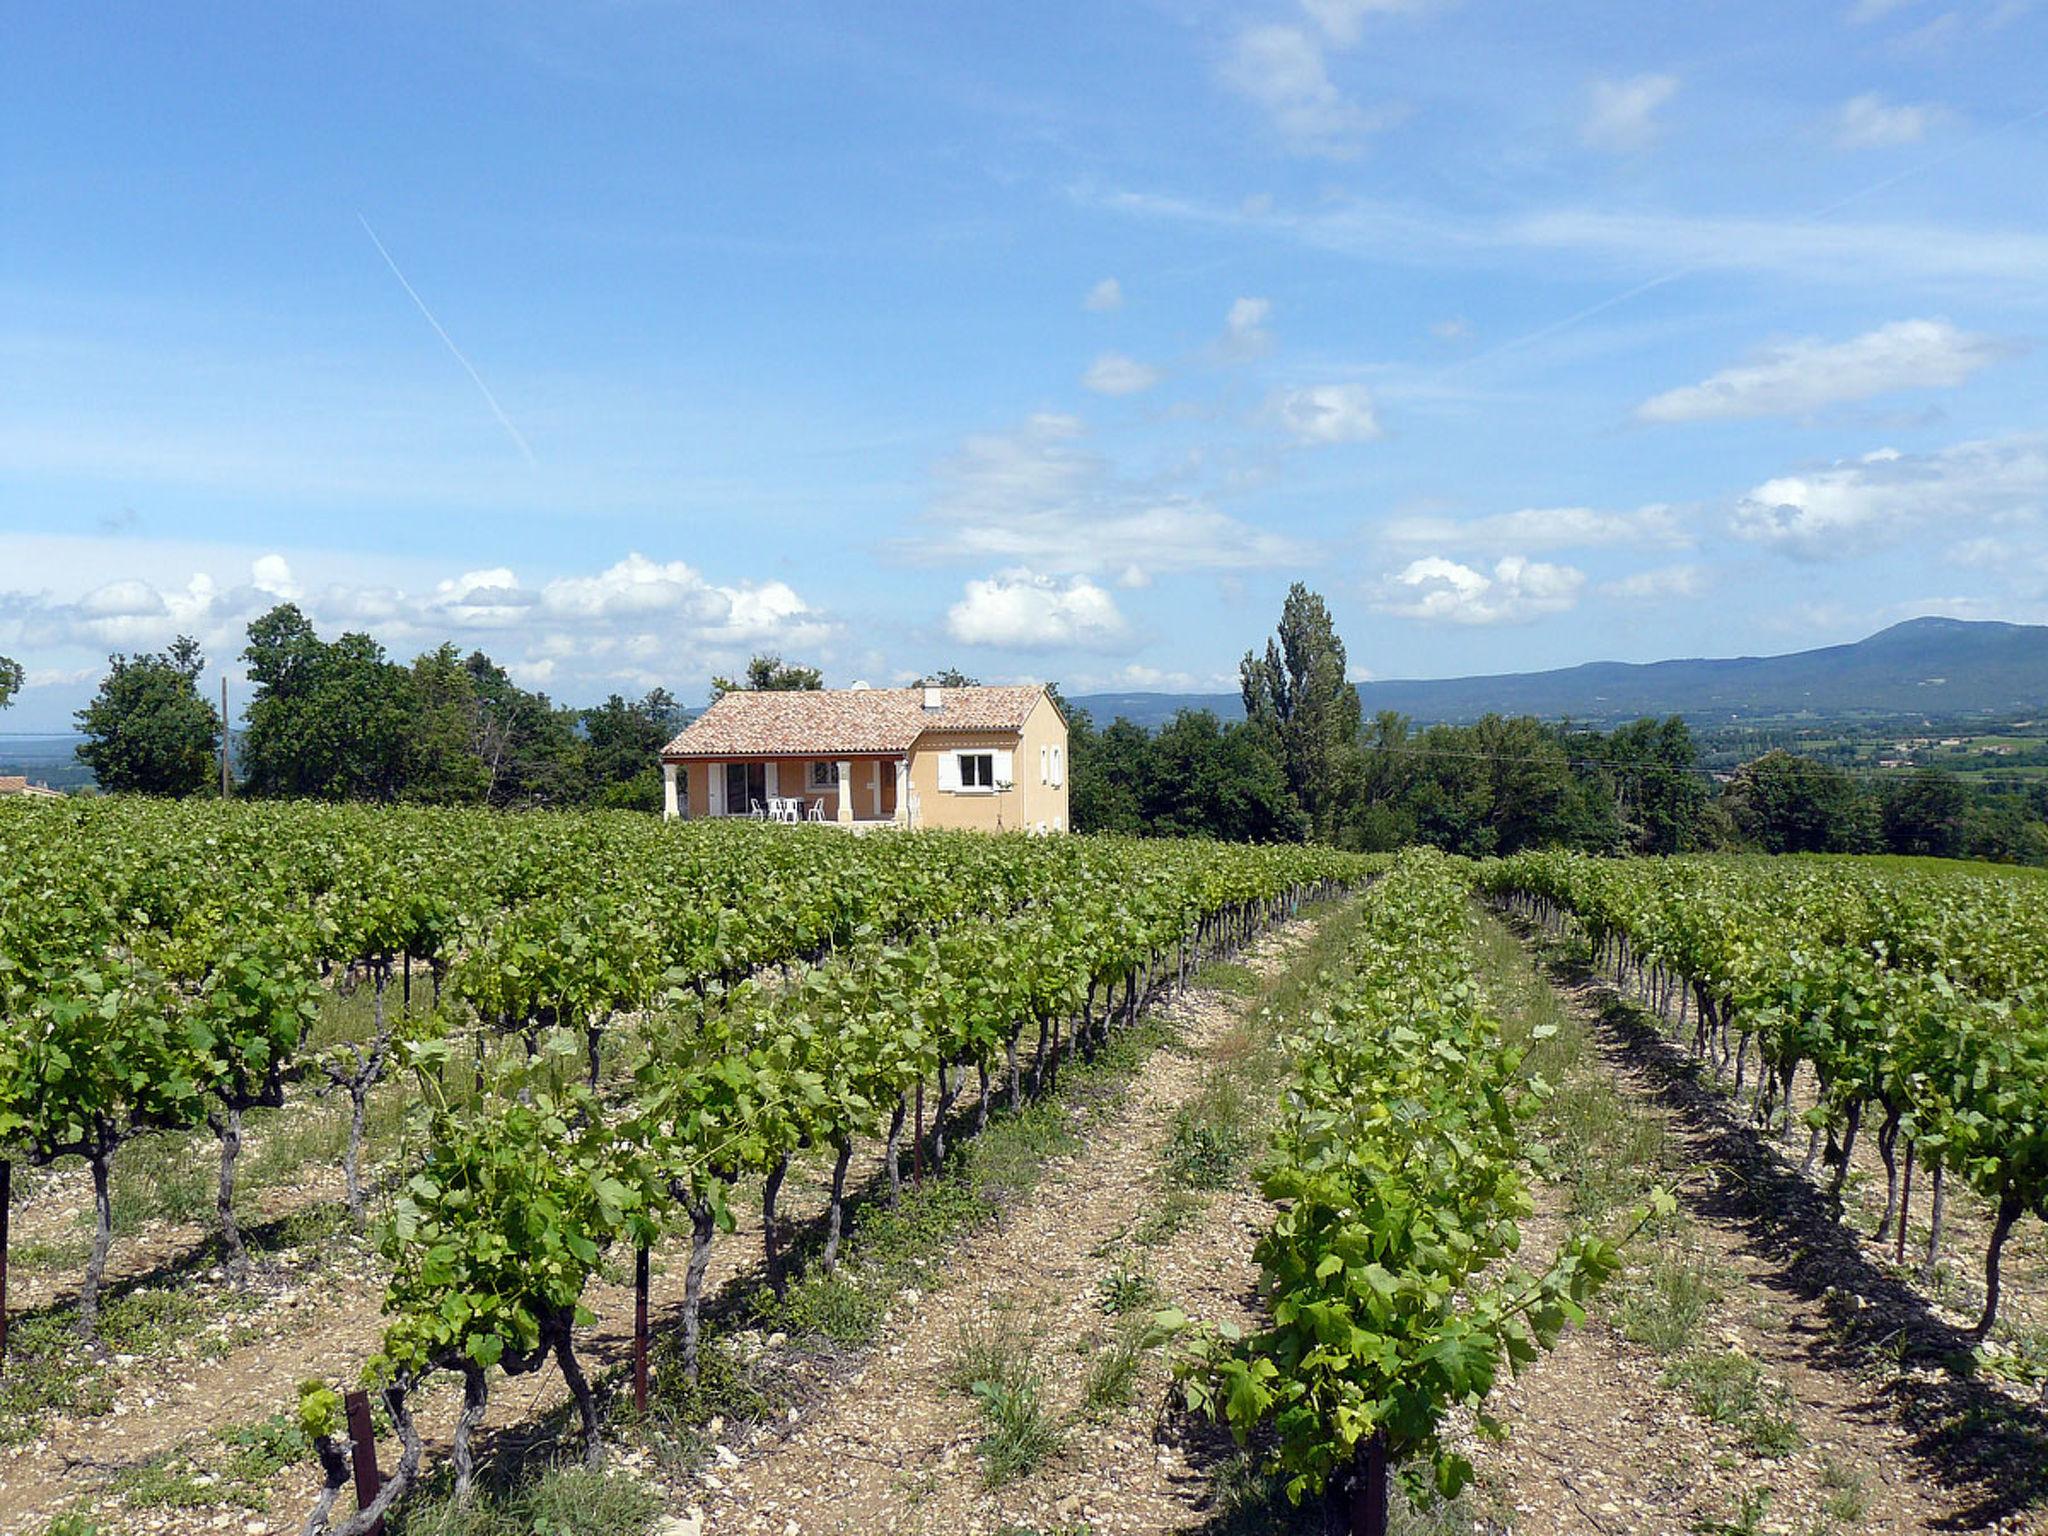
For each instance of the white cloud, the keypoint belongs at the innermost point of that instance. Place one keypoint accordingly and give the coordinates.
(1027, 611)
(1343, 21)
(1803, 376)
(1280, 69)
(1104, 296)
(1330, 413)
(1849, 507)
(1515, 591)
(1457, 328)
(1665, 581)
(1244, 328)
(1866, 11)
(1543, 528)
(1868, 122)
(1115, 374)
(1621, 116)
(1036, 497)
(636, 621)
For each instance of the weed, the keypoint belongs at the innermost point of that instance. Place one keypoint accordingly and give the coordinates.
(561, 1501)
(1665, 1306)
(993, 1363)
(261, 1450)
(1112, 1380)
(1176, 1213)
(1846, 1501)
(1748, 1519)
(72, 1522)
(1124, 1291)
(1202, 1154)
(175, 1480)
(1732, 1389)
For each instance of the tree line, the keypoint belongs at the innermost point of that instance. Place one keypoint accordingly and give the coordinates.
(1305, 764)
(340, 720)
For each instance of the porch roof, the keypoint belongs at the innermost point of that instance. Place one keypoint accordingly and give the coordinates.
(857, 721)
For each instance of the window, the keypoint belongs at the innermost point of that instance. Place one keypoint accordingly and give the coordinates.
(1045, 765)
(824, 775)
(977, 770)
(746, 785)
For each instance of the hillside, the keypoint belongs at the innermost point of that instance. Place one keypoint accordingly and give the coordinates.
(1931, 667)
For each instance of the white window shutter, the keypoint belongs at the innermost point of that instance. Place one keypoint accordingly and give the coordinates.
(1058, 767)
(1045, 765)
(1005, 767)
(949, 771)
(715, 775)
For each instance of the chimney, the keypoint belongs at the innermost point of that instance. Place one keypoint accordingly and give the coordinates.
(932, 698)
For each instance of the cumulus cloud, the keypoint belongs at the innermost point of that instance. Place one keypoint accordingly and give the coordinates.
(1806, 375)
(1515, 591)
(1024, 610)
(1343, 21)
(1330, 413)
(1850, 507)
(1104, 296)
(1244, 328)
(1038, 497)
(1281, 70)
(636, 620)
(1115, 374)
(1621, 116)
(1664, 581)
(1543, 528)
(1870, 122)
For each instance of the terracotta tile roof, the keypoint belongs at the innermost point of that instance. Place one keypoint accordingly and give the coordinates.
(821, 722)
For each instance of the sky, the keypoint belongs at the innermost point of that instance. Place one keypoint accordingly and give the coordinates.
(623, 340)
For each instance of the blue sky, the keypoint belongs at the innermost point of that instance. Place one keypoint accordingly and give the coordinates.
(1043, 341)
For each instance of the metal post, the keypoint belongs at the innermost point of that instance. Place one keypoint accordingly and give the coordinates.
(363, 1453)
(6, 1199)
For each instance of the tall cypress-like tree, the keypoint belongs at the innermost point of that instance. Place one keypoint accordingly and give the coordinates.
(148, 729)
(11, 679)
(1297, 694)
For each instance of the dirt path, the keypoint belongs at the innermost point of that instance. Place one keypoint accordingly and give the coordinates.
(894, 1450)
(1887, 1439)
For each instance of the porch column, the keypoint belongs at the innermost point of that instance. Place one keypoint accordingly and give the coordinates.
(846, 794)
(902, 791)
(668, 792)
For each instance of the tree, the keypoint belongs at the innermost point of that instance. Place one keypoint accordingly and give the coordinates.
(1106, 772)
(148, 729)
(1926, 813)
(622, 749)
(328, 720)
(527, 746)
(950, 677)
(1659, 796)
(1789, 804)
(768, 673)
(11, 679)
(1299, 695)
(445, 767)
(1212, 780)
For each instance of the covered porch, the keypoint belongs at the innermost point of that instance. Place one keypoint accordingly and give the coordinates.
(860, 789)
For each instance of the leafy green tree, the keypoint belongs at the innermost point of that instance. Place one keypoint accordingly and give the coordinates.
(1925, 813)
(769, 673)
(527, 746)
(1659, 795)
(327, 720)
(950, 677)
(11, 679)
(1789, 804)
(622, 748)
(445, 767)
(2005, 830)
(1206, 779)
(149, 730)
(1298, 693)
(1106, 772)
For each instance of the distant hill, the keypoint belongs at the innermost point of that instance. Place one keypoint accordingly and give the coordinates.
(1932, 667)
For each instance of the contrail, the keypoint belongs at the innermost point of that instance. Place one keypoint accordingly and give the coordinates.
(1544, 332)
(448, 341)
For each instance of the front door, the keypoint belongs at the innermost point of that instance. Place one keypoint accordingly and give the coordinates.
(746, 785)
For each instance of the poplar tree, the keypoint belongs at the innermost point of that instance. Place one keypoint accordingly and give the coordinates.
(1298, 695)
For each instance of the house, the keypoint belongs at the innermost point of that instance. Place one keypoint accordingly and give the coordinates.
(985, 758)
(18, 784)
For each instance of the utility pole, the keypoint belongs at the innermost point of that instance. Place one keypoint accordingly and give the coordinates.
(223, 736)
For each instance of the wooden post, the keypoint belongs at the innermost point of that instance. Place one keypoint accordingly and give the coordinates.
(917, 1141)
(362, 1445)
(1905, 1203)
(223, 736)
(640, 1330)
(6, 1199)
(1369, 1499)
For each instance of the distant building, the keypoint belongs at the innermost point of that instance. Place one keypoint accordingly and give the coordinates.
(18, 784)
(979, 758)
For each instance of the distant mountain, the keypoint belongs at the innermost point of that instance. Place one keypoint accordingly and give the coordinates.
(1934, 667)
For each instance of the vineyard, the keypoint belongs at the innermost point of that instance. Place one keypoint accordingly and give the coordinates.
(615, 1110)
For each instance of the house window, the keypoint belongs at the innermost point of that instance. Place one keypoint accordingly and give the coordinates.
(824, 775)
(977, 770)
(746, 786)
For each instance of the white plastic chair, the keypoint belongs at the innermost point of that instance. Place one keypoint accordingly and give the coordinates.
(817, 812)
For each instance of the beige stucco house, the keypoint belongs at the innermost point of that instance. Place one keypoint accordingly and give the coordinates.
(983, 758)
